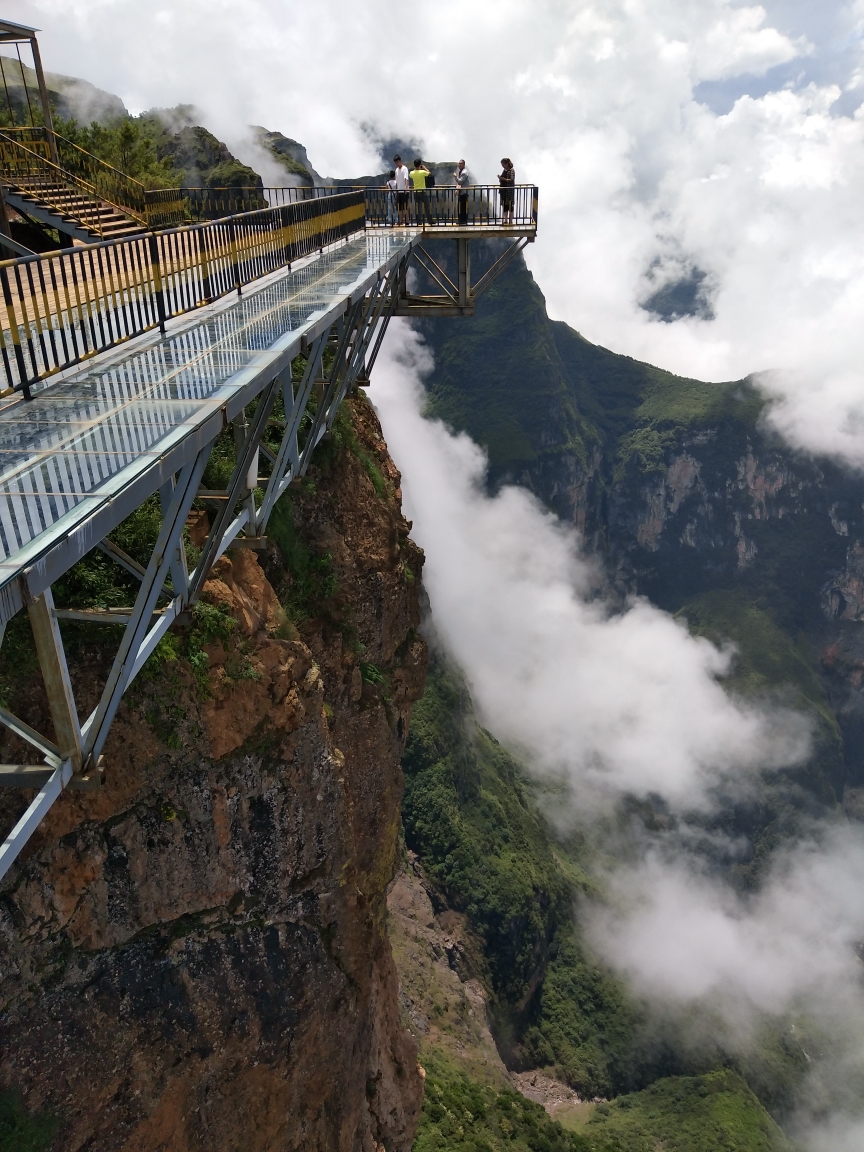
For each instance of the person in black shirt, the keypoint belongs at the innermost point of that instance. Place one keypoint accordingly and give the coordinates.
(460, 178)
(507, 180)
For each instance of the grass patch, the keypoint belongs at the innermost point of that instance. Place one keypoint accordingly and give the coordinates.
(310, 581)
(210, 622)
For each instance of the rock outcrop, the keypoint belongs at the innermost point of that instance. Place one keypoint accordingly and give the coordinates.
(196, 958)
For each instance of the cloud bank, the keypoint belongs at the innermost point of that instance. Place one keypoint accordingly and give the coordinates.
(631, 698)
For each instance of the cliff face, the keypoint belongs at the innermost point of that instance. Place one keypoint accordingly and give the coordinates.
(196, 957)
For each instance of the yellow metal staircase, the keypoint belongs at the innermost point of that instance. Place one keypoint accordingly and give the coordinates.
(52, 180)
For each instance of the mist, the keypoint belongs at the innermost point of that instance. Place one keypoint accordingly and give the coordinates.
(621, 703)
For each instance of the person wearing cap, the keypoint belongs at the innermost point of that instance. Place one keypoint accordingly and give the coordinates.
(507, 180)
(400, 175)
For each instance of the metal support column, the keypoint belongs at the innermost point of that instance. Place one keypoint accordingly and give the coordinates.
(43, 99)
(55, 673)
(463, 256)
(226, 526)
(179, 570)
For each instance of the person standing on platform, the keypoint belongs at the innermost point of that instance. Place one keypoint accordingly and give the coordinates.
(507, 180)
(421, 197)
(391, 197)
(460, 179)
(401, 176)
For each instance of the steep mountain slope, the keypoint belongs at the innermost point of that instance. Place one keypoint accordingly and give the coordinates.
(685, 494)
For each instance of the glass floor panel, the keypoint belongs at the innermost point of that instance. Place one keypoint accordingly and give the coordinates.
(66, 446)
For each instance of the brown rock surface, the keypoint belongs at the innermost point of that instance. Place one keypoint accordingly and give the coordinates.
(195, 959)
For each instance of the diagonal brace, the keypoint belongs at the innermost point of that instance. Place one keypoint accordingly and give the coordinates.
(288, 457)
(126, 662)
(235, 488)
(55, 674)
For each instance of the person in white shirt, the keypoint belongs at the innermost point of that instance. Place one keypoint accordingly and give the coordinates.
(460, 179)
(402, 185)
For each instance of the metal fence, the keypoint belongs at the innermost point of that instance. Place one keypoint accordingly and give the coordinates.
(479, 206)
(63, 307)
(213, 203)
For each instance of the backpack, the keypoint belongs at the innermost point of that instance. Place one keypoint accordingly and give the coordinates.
(430, 180)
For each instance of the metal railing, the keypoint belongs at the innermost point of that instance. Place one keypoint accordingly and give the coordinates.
(479, 206)
(64, 307)
(213, 203)
(26, 160)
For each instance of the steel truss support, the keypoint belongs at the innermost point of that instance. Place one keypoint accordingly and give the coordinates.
(456, 299)
(335, 360)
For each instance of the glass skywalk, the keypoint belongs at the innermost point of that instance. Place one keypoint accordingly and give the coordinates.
(80, 441)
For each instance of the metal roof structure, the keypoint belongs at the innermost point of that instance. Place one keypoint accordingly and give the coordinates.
(9, 30)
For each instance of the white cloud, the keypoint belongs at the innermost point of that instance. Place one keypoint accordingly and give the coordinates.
(684, 937)
(595, 102)
(623, 702)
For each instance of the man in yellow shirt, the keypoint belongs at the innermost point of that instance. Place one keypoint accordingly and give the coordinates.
(418, 176)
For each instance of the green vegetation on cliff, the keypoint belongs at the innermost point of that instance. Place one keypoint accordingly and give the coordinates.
(528, 388)
(22, 1131)
(470, 816)
(471, 820)
(680, 486)
(712, 1113)
(460, 1115)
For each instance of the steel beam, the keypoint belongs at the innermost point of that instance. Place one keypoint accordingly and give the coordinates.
(32, 818)
(239, 476)
(50, 751)
(463, 257)
(55, 674)
(24, 775)
(137, 636)
(288, 456)
(179, 570)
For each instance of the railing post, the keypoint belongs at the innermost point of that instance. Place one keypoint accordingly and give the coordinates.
(157, 280)
(202, 234)
(464, 262)
(43, 97)
(234, 264)
(16, 335)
